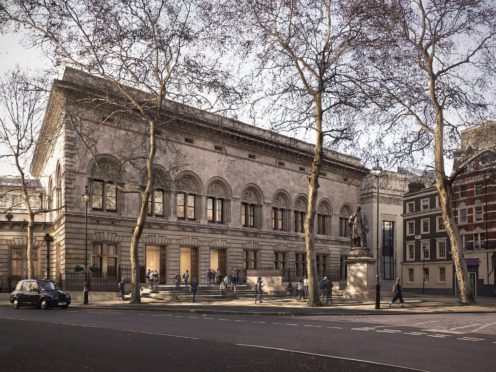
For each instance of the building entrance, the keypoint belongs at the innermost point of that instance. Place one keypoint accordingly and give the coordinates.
(189, 261)
(156, 260)
(218, 260)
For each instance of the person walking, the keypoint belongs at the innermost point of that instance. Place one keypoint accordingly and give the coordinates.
(208, 278)
(177, 282)
(186, 277)
(147, 276)
(259, 290)
(194, 288)
(328, 290)
(305, 287)
(397, 293)
(301, 291)
(234, 281)
(222, 287)
(122, 288)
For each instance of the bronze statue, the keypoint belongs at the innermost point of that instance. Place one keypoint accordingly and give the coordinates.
(359, 228)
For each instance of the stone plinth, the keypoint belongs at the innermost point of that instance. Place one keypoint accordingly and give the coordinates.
(361, 277)
(272, 280)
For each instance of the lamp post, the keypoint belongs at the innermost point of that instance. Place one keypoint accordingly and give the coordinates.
(48, 239)
(86, 199)
(377, 171)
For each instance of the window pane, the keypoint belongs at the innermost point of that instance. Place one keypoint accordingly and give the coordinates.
(97, 195)
(274, 218)
(251, 215)
(244, 208)
(158, 205)
(112, 250)
(16, 262)
(210, 209)
(97, 249)
(180, 205)
(219, 210)
(110, 197)
(191, 207)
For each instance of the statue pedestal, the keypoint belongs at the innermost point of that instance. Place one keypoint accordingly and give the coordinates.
(360, 281)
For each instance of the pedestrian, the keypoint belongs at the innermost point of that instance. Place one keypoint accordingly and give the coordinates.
(156, 279)
(305, 287)
(151, 277)
(222, 287)
(177, 281)
(208, 278)
(398, 295)
(186, 277)
(218, 276)
(234, 281)
(122, 288)
(301, 291)
(226, 281)
(147, 277)
(328, 290)
(259, 290)
(194, 288)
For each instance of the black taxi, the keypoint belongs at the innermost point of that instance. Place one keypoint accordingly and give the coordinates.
(39, 293)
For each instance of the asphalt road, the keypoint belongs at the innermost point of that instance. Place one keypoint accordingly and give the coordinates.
(109, 340)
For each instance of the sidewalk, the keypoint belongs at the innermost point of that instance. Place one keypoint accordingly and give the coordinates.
(291, 306)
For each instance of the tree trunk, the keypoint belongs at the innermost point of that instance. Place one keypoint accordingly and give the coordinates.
(313, 186)
(445, 200)
(29, 244)
(140, 222)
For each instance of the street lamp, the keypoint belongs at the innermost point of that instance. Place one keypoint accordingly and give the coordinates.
(377, 171)
(86, 198)
(48, 239)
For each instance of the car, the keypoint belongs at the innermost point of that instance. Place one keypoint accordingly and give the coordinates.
(40, 293)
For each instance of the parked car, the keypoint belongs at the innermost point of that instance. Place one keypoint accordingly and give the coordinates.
(40, 293)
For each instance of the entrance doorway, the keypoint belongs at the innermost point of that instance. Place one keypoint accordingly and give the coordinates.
(218, 260)
(156, 260)
(473, 282)
(189, 261)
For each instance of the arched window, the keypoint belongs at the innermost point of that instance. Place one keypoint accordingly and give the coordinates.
(106, 174)
(159, 200)
(251, 210)
(50, 194)
(58, 189)
(324, 214)
(280, 211)
(218, 201)
(188, 196)
(344, 215)
(300, 210)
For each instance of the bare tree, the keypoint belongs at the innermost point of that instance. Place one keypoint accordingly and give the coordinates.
(21, 107)
(430, 60)
(306, 81)
(145, 51)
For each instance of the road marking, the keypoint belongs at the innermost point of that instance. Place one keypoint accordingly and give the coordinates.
(312, 326)
(275, 323)
(239, 320)
(207, 318)
(482, 327)
(463, 327)
(258, 321)
(178, 316)
(439, 336)
(422, 323)
(472, 339)
(291, 324)
(388, 331)
(328, 356)
(193, 317)
(223, 319)
(364, 329)
(335, 327)
(159, 334)
(415, 333)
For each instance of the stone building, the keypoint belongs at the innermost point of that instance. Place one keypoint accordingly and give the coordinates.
(227, 195)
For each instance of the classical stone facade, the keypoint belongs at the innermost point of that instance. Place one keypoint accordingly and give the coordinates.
(227, 195)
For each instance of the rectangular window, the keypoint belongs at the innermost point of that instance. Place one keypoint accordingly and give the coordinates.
(190, 213)
(478, 213)
(299, 221)
(463, 215)
(110, 197)
(426, 274)
(158, 203)
(410, 207)
(103, 196)
(441, 249)
(321, 265)
(210, 210)
(425, 224)
(247, 215)
(343, 226)
(300, 263)
(104, 260)
(410, 228)
(180, 210)
(16, 262)
(250, 260)
(424, 204)
(280, 261)
(278, 218)
(321, 224)
(479, 240)
(442, 274)
(478, 188)
(410, 251)
(463, 191)
(215, 210)
(437, 201)
(440, 223)
(411, 275)
(96, 195)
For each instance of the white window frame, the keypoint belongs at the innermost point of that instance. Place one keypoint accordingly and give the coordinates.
(410, 207)
(410, 246)
(465, 220)
(408, 228)
(425, 204)
(438, 228)
(422, 231)
(438, 254)
(438, 204)
(478, 241)
(481, 213)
